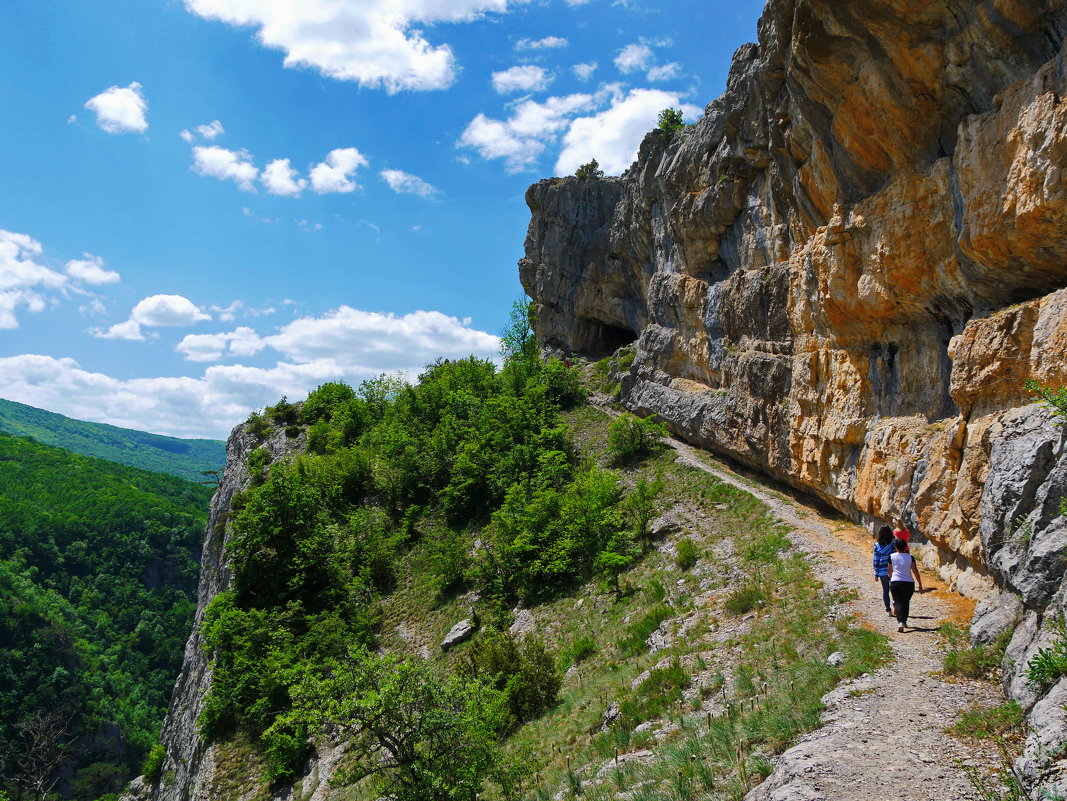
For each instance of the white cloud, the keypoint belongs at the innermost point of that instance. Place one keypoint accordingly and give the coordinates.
(305, 225)
(242, 341)
(91, 270)
(93, 308)
(377, 43)
(229, 313)
(664, 72)
(634, 57)
(521, 78)
(614, 135)
(335, 173)
(281, 179)
(404, 183)
(584, 71)
(154, 311)
(548, 43)
(211, 130)
(345, 344)
(120, 110)
(22, 276)
(186, 135)
(129, 329)
(353, 338)
(226, 165)
(522, 137)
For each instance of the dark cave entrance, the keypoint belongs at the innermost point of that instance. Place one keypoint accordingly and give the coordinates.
(598, 339)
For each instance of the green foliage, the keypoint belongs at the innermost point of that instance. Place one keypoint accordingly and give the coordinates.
(641, 506)
(282, 413)
(671, 121)
(522, 670)
(578, 651)
(655, 695)
(1050, 662)
(419, 736)
(687, 554)
(750, 594)
(632, 439)
(98, 569)
(258, 426)
(589, 170)
(985, 723)
(637, 633)
(152, 768)
(1055, 399)
(186, 458)
(517, 340)
(979, 662)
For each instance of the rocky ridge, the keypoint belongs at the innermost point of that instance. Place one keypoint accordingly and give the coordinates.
(843, 275)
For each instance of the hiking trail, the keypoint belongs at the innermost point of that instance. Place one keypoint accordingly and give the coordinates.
(883, 734)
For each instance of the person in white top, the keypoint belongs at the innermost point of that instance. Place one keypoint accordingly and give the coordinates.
(902, 568)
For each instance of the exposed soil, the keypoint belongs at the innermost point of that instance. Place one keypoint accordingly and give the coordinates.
(884, 733)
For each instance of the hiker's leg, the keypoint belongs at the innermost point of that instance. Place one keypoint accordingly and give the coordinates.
(885, 592)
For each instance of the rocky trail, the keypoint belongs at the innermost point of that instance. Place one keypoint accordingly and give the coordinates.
(883, 734)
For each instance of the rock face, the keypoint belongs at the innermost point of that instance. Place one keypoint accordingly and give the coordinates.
(844, 273)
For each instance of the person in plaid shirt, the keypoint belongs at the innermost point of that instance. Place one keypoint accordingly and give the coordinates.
(883, 549)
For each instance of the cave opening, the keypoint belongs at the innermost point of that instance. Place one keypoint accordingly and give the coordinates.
(603, 339)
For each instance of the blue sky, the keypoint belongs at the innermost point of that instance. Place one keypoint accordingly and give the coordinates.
(207, 204)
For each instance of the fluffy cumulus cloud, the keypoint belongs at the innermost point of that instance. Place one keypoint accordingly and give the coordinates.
(209, 131)
(584, 71)
(23, 278)
(521, 78)
(521, 138)
(154, 311)
(664, 72)
(345, 344)
(280, 178)
(377, 43)
(335, 173)
(404, 183)
(613, 136)
(91, 270)
(226, 165)
(633, 58)
(120, 109)
(548, 43)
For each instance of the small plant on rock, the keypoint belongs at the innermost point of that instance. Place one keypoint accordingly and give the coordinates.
(1055, 399)
(670, 121)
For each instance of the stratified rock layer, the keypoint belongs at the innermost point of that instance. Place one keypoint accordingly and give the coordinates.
(845, 272)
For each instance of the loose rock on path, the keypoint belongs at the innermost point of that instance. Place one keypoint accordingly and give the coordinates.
(883, 734)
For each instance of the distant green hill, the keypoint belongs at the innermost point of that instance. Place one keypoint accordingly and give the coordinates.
(186, 458)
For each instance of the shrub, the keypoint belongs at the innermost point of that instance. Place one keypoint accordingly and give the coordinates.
(631, 439)
(258, 426)
(1055, 400)
(153, 763)
(523, 670)
(671, 121)
(747, 597)
(687, 554)
(979, 662)
(655, 695)
(577, 652)
(1049, 663)
(589, 170)
(282, 413)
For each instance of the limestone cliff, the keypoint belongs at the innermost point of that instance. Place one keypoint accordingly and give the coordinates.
(844, 273)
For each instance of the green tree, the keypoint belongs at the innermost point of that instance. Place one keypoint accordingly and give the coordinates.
(419, 737)
(671, 121)
(589, 170)
(517, 340)
(631, 439)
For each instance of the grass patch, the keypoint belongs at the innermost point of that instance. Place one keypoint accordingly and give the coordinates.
(638, 632)
(1005, 720)
(977, 662)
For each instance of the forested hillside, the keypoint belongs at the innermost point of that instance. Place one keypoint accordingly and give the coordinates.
(98, 571)
(187, 458)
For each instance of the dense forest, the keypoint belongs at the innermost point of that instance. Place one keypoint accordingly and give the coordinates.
(187, 458)
(98, 572)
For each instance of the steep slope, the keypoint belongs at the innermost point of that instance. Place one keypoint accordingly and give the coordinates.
(186, 458)
(842, 276)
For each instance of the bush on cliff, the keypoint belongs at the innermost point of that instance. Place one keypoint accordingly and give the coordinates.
(631, 439)
(589, 170)
(671, 121)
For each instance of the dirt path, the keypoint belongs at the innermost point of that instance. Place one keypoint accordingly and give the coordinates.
(883, 734)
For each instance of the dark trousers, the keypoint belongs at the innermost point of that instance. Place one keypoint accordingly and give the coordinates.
(902, 592)
(885, 591)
